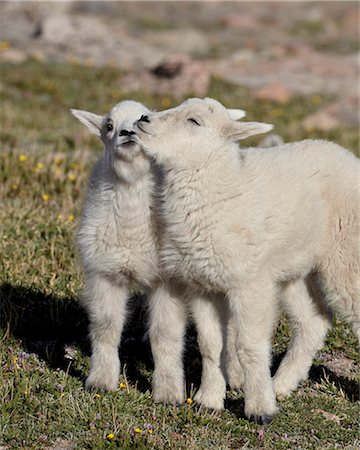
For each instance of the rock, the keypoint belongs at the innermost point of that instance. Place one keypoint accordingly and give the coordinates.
(271, 141)
(241, 21)
(343, 113)
(191, 42)
(176, 76)
(276, 92)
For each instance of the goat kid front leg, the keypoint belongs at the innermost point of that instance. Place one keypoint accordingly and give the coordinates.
(254, 311)
(105, 303)
(166, 332)
(209, 319)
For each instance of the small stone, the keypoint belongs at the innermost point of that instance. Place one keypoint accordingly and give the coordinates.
(276, 92)
(341, 114)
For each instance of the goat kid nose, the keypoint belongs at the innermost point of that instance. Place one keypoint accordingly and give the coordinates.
(126, 133)
(144, 118)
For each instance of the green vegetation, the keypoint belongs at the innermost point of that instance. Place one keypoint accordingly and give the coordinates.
(45, 159)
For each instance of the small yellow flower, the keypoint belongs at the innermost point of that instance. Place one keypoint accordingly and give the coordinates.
(59, 158)
(71, 176)
(150, 431)
(15, 359)
(189, 401)
(60, 217)
(73, 60)
(122, 385)
(58, 171)
(110, 436)
(115, 93)
(97, 395)
(45, 197)
(4, 45)
(22, 158)
(71, 217)
(39, 166)
(165, 102)
(277, 112)
(138, 430)
(315, 99)
(90, 62)
(14, 187)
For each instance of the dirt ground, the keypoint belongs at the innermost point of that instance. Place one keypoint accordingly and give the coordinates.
(277, 49)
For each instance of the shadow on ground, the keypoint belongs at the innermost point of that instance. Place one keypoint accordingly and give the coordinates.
(47, 325)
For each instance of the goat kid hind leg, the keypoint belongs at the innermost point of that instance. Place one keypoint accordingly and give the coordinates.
(254, 309)
(166, 331)
(105, 303)
(310, 319)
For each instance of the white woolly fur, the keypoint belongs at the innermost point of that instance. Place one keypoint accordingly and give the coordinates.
(259, 225)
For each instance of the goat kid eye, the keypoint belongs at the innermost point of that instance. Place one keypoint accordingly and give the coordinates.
(195, 122)
(109, 127)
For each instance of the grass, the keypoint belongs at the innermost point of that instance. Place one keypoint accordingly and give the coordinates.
(45, 159)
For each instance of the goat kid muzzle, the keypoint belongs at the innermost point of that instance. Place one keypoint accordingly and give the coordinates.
(143, 125)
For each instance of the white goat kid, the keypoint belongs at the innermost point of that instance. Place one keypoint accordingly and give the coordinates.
(118, 240)
(116, 236)
(256, 225)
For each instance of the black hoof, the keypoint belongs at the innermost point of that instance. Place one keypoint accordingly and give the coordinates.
(261, 420)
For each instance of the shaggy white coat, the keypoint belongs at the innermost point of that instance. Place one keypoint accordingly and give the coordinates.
(117, 240)
(258, 225)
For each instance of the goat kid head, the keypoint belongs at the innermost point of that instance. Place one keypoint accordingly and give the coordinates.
(193, 131)
(116, 130)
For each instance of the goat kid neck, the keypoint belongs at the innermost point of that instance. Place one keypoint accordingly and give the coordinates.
(132, 194)
(218, 172)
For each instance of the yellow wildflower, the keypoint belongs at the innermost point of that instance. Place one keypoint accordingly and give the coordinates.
(22, 158)
(59, 158)
(71, 217)
(58, 171)
(45, 197)
(14, 187)
(71, 176)
(115, 93)
(60, 217)
(90, 62)
(73, 60)
(38, 167)
(138, 430)
(165, 102)
(110, 436)
(97, 395)
(150, 431)
(122, 385)
(4, 45)
(189, 401)
(277, 112)
(315, 99)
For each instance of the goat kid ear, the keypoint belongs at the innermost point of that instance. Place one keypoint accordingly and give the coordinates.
(92, 121)
(236, 114)
(236, 131)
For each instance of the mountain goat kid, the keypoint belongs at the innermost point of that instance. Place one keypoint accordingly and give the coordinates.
(257, 225)
(118, 239)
